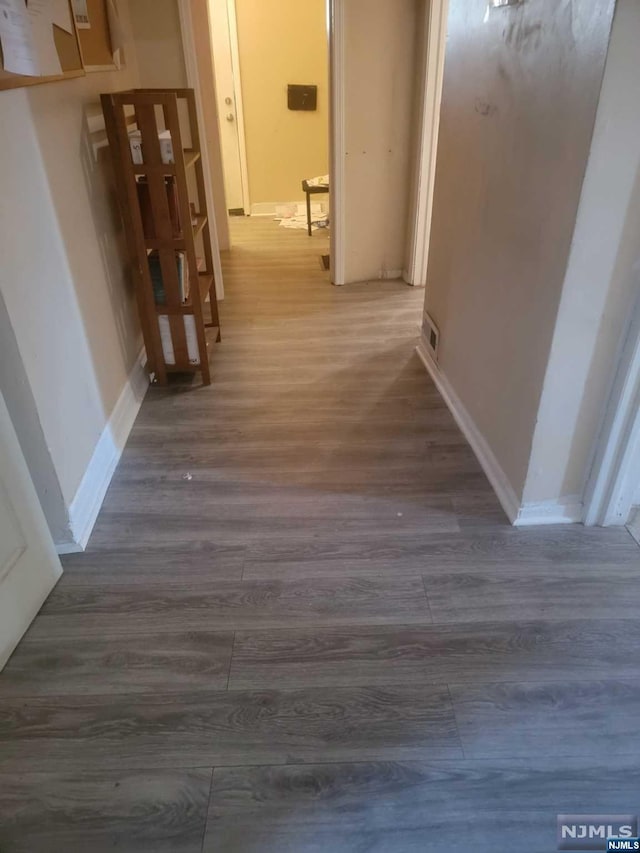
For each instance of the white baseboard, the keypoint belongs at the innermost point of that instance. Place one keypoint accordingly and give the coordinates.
(406, 277)
(269, 208)
(88, 499)
(633, 524)
(490, 465)
(562, 511)
(390, 275)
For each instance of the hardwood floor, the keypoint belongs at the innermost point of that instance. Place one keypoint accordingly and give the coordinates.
(303, 623)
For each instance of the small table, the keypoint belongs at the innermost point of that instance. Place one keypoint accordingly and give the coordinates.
(312, 187)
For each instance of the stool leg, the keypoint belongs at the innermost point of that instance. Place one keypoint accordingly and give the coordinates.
(309, 213)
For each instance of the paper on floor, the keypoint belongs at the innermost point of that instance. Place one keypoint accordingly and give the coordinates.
(318, 220)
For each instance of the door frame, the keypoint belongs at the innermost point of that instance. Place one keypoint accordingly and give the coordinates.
(193, 81)
(429, 101)
(234, 53)
(430, 96)
(612, 487)
(337, 146)
(237, 87)
(337, 139)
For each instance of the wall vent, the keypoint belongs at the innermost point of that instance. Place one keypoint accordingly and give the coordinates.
(431, 335)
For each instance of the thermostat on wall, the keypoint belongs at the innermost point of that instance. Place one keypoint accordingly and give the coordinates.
(302, 97)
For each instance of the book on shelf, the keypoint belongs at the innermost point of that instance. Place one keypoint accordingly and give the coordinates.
(191, 338)
(137, 149)
(155, 270)
(146, 209)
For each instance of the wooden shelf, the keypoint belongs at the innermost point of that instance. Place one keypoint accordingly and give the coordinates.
(179, 243)
(205, 280)
(201, 221)
(162, 210)
(190, 159)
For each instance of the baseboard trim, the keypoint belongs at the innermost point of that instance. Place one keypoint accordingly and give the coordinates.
(390, 275)
(88, 499)
(490, 465)
(270, 208)
(406, 277)
(567, 510)
(633, 523)
(563, 511)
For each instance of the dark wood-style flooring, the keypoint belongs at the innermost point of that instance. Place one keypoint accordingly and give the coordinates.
(303, 624)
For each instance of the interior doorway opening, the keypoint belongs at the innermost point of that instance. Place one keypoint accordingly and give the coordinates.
(271, 70)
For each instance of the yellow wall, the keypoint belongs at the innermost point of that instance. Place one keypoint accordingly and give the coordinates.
(281, 42)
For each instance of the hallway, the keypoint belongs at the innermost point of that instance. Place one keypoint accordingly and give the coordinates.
(303, 623)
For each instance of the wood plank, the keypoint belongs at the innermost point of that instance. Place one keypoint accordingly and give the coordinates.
(552, 651)
(411, 807)
(110, 609)
(148, 565)
(599, 592)
(496, 550)
(592, 718)
(159, 811)
(227, 728)
(140, 663)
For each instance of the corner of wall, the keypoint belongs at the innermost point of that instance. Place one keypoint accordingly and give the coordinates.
(86, 504)
(505, 492)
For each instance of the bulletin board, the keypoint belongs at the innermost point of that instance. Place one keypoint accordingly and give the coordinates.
(80, 51)
(95, 43)
(68, 49)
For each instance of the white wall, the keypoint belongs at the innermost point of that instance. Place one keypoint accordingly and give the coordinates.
(520, 93)
(62, 280)
(380, 60)
(601, 282)
(156, 30)
(19, 399)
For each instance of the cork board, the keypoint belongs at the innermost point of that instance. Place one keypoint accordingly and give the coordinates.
(95, 43)
(68, 47)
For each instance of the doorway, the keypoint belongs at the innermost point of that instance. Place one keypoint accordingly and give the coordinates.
(271, 66)
(224, 42)
(359, 251)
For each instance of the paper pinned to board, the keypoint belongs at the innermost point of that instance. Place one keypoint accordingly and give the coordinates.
(44, 46)
(116, 32)
(61, 15)
(18, 50)
(81, 14)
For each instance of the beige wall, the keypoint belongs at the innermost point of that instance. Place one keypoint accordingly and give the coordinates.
(209, 130)
(65, 293)
(603, 279)
(519, 102)
(381, 63)
(158, 40)
(282, 42)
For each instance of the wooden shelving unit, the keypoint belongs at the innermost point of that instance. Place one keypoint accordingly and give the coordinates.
(152, 111)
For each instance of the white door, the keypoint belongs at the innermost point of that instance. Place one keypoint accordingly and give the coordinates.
(29, 565)
(224, 39)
